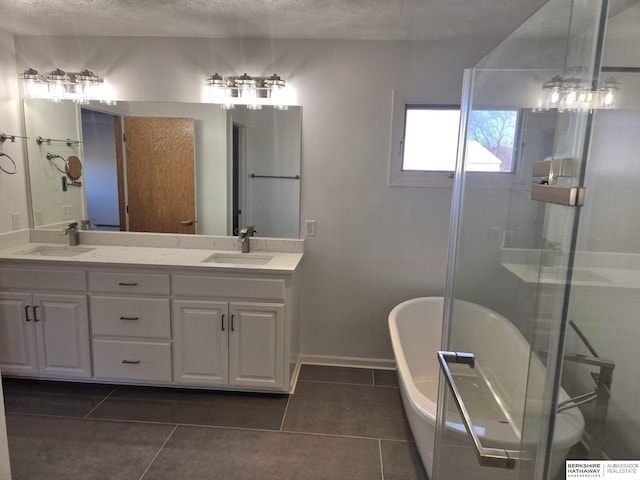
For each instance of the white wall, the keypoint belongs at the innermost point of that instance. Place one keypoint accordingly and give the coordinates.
(13, 198)
(375, 245)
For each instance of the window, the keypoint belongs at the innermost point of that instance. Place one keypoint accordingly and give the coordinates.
(425, 141)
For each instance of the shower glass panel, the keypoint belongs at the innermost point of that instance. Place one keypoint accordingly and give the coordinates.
(601, 348)
(512, 249)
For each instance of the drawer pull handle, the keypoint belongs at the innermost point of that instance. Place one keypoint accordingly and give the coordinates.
(128, 284)
(131, 362)
(35, 314)
(223, 322)
(128, 318)
(26, 312)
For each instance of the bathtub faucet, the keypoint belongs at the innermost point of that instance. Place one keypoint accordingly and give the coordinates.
(243, 237)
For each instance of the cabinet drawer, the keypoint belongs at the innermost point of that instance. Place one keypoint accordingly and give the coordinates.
(43, 279)
(130, 317)
(145, 361)
(129, 282)
(228, 287)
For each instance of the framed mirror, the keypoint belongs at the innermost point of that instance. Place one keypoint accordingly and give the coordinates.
(165, 167)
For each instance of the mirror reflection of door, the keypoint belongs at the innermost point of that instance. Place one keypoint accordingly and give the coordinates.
(101, 169)
(160, 174)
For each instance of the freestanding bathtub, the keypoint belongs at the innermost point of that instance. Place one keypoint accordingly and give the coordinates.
(502, 355)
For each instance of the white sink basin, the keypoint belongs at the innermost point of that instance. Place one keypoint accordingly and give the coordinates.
(56, 251)
(239, 258)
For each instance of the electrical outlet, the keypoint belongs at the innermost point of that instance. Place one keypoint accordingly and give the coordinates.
(15, 221)
(38, 217)
(507, 238)
(495, 236)
(310, 228)
(66, 212)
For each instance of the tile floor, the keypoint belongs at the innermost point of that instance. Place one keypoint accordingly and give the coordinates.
(341, 423)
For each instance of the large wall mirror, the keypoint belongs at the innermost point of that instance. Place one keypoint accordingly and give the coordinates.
(164, 167)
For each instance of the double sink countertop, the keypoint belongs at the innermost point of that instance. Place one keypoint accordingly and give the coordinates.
(154, 250)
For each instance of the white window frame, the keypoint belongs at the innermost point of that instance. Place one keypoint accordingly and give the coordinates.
(411, 178)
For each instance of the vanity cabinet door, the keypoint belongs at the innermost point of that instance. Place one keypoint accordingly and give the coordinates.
(62, 335)
(256, 344)
(17, 334)
(200, 342)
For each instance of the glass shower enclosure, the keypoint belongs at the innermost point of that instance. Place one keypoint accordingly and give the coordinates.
(549, 246)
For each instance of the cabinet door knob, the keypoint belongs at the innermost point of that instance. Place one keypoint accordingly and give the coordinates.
(26, 312)
(131, 362)
(35, 314)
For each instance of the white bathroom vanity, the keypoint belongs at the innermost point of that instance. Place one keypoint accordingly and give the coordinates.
(159, 315)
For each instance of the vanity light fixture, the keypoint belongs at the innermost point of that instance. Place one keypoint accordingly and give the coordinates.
(58, 85)
(574, 94)
(254, 92)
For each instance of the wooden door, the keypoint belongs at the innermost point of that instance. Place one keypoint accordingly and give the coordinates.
(160, 174)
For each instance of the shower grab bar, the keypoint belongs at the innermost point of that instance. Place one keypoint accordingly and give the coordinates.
(487, 456)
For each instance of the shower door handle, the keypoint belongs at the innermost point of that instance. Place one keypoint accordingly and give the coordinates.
(489, 457)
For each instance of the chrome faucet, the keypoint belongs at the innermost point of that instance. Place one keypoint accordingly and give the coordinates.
(243, 237)
(74, 235)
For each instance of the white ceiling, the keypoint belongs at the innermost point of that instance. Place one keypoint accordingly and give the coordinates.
(271, 19)
(289, 19)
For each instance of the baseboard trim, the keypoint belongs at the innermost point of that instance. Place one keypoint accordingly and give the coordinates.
(355, 362)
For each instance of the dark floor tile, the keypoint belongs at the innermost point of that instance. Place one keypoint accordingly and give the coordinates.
(357, 410)
(401, 461)
(217, 453)
(323, 373)
(385, 378)
(55, 448)
(52, 398)
(195, 407)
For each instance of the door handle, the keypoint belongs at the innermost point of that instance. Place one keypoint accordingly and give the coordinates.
(35, 314)
(186, 223)
(491, 457)
(26, 312)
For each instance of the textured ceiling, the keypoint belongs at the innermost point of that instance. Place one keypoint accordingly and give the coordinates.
(273, 19)
(299, 19)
